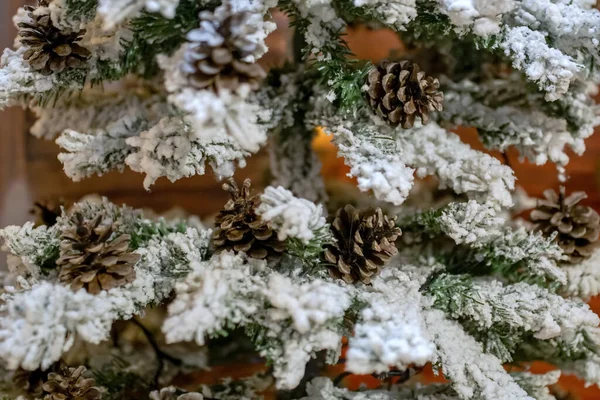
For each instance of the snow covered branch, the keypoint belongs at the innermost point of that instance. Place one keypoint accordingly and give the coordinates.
(40, 321)
(291, 216)
(474, 374)
(504, 314)
(389, 331)
(538, 135)
(293, 319)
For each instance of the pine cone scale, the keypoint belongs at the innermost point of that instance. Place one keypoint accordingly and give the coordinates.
(50, 50)
(399, 92)
(240, 229)
(219, 61)
(364, 243)
(92, 258)
(577, 226)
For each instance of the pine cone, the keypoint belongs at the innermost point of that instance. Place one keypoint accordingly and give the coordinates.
(49, 49)
(47, 212)
(220, 50)
(70, 384)
(91, 258)
(239, 228)
(364, 243)
(577, 225)
(399, 92)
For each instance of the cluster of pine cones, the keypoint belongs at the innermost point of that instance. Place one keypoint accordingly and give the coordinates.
(575, 227)
(59, 382)
(49, 49)
(364, 240)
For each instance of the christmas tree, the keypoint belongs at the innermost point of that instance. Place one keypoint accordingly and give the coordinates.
(427, 266)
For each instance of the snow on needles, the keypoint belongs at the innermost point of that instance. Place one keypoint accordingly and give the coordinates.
(471, 222)
(214, 116)
(18, 80)
(38, 323)
(550, 68)
(462, 359)
(389, 331)
(483, 16)
(291, 216)
(298, 317)
(117, 11)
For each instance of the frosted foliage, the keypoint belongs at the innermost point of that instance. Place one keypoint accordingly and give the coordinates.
(104, 44)
(573, 29)
(382, 172)
(309, 305)
(217, 117)
(524, 307)
(212, 295)
(538, 254)
(323, 389)
(396, 13)
(389, 331)
(291, 216)
(18, 80)
(551, 69)
(474, 374)
(583, 279)
(102, 144)
(89, 154)
(483, 16)
(38, 325)
(29, 248)
(212, 116)
(98, 111)
(536, 135)
(383, 159)
(323, 23)
(580, 344)
(471, 222)
(171, 149)
(537, 385)
(432, 150)
(117, 11)
(232, 290)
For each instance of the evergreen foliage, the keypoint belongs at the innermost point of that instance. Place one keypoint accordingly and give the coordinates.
(472, 289)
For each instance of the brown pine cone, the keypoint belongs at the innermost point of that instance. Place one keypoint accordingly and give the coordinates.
(92, 258)
(239, 228)
(70, 384)
(219, 52)
(577, 226)
(50, 50)
(365, 241)
(399, 92)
